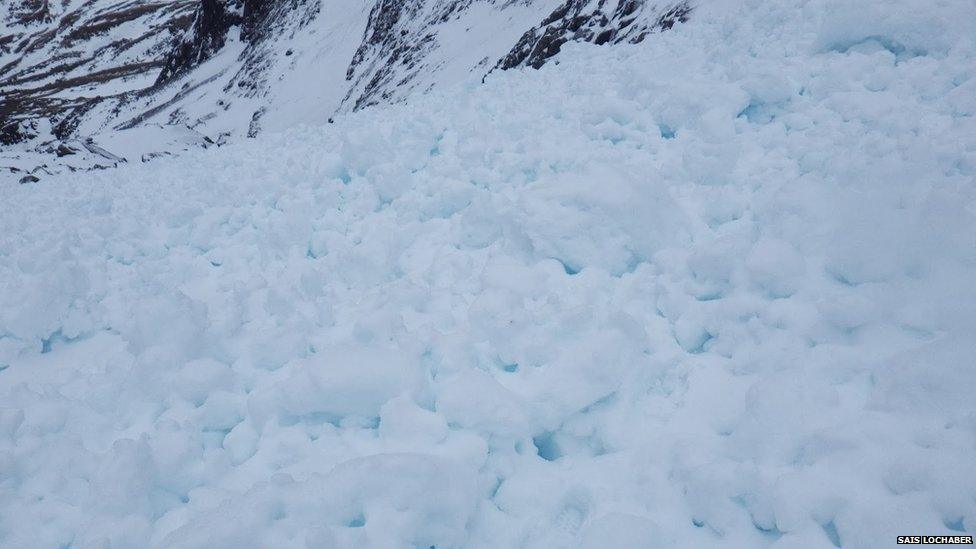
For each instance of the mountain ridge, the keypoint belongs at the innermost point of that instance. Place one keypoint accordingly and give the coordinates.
(142, 80)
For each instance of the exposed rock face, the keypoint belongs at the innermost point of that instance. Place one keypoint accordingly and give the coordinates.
(596, 21)
(25, 12)
(255, 17)
(389, 41)
(263, 22)
(211, 23)
(60, 59)
(232, 68)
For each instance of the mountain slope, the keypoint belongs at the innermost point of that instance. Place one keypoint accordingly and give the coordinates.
(596, 21)
(716, 293)
(170, 75)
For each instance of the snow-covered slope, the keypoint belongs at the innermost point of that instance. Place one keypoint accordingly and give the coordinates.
(92, 84)
(716, 293)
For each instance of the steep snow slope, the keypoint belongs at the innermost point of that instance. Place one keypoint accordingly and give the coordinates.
(92, 84)
(717, 293)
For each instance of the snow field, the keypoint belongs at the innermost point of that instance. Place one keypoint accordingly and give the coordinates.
(714, 290)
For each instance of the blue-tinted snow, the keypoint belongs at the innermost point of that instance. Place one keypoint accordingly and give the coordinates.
(733, 267)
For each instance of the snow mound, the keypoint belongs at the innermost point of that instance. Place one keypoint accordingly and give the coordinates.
(713, 290)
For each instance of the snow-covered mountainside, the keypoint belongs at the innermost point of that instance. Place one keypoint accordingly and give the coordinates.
(713, 289)
(92, 83)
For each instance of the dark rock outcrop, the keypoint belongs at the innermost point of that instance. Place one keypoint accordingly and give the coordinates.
(386, 43)
(26, 12)
(15, 131)
(255, 18)
(211, 23)
(596, 21)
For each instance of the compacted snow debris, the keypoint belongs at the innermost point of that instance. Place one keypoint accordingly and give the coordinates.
(711, 290)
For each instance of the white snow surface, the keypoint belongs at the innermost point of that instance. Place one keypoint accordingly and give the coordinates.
(713, 290)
